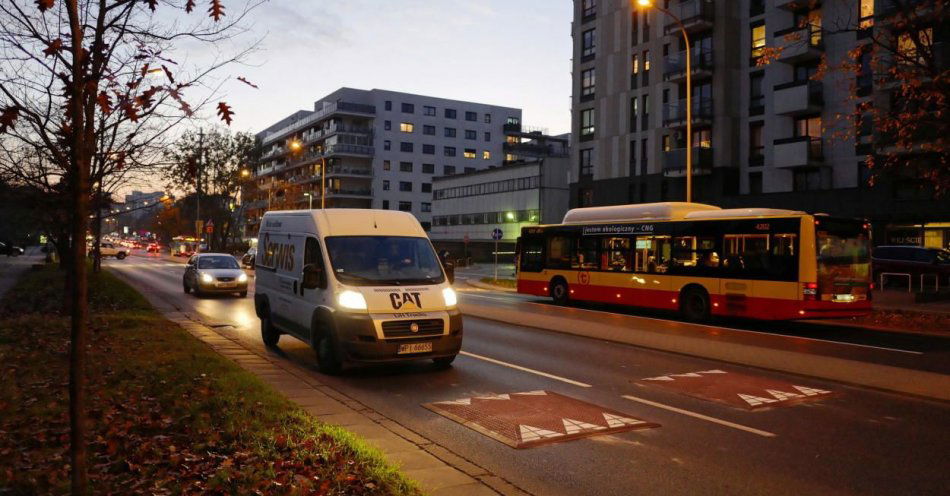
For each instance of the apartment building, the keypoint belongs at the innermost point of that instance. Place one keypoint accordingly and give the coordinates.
(765, 132)
(381, 149)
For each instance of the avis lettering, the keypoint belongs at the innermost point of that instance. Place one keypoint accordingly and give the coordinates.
(400, 299)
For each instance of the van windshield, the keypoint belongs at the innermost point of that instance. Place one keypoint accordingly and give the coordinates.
(383, 260)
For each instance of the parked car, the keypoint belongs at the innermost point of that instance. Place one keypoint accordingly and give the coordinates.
(110, 250)
(214, 273)
(915, 261)
(9, 250)
(248, 259)
(153, 248)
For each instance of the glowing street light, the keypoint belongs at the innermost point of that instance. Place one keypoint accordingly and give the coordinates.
(295, 145)
(689, 98)
(245, 173)
(310, 198)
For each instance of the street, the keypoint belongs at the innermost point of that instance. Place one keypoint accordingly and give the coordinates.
(831, 439)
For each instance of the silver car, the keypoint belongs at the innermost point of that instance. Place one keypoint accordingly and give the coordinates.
(208, 273)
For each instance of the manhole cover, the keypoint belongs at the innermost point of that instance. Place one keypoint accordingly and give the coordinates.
(740, 390)
(524, 420)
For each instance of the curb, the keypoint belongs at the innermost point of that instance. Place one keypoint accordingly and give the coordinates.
(883, 377)
(492, 287)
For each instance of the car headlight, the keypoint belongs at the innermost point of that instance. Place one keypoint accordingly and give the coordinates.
(451, 299)
(206, 278)
(242, 277)
(351, 300)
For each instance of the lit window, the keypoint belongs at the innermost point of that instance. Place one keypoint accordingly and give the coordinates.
(636, 64)
(867, 14)
(646, 60)
(469, 153)
(406, 127)
(486, 155)
(758, 40)
(587, 122)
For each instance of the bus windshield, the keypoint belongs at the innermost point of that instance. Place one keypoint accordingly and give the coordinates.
(843, 254)
(383, 260)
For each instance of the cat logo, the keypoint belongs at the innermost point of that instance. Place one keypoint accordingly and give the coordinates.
(400, 300)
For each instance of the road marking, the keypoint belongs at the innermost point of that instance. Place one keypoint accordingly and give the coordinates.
(844, 343)
(701, 416)
(526, 369)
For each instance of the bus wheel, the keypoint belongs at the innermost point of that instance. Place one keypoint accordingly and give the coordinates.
(559, 292)
(694, 304)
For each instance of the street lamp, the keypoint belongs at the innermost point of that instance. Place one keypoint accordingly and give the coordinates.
(245, 173)
(295, 145)
(323, 182)
(689, 98)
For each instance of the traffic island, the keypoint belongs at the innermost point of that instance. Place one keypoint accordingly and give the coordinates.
(167, 414)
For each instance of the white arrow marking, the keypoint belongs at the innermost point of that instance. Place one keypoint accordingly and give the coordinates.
(463, 401)
(782, 395)
(572, 426)
(756, 400)
(533, 393)
(811, 391)
(494, 397)
(661, 378)
(618, 421)
(712, 372)
(529, 433)
(688, 374)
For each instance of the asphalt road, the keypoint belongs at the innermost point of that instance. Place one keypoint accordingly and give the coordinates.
(849, 441)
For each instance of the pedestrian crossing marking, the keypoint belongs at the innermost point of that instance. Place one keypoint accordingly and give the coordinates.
(529, 433)
(572, 426)
(660, 378)
(811, 391)
(782, 395)
(618, 421)
(756, 400)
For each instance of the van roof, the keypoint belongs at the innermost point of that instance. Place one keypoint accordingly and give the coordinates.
(356, 221)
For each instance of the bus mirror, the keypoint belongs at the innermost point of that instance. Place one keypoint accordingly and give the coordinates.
(312, 276)
(450, 272)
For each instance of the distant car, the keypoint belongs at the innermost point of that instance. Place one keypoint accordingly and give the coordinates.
(10, 250)
(153, 248)
(137, 245)
(110, 250)
(214, 273)
(915, 261)
(248, 259)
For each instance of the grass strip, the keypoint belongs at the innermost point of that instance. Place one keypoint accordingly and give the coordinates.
(505, 283)
(167, 414)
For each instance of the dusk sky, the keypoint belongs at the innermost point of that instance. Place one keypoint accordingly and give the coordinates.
(492, 51)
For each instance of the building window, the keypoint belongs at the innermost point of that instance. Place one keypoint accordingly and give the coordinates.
(646, 61)
(866, 22)
(425, 207)
(405, 186)
(635, 26)
(587, 84)
(702, 138)
(755, 183)
(644, 156)
(646, 26)
(666, 142)
(469, 170)
(388, 125)
(487, 118)
(486, 155)
(587, 123)
(389, 105)
(385, 184)
(645, 118)
(585, 197)
(428, 149)
(448, 151)
(408, 108)
(405, 206)
(450, 113)
(756, 144)
(587, 164)
(471, 134)
(448, 170)
(635, 64)
(449, 132)
(387, 165)
(471, 116)
(756, 7)
(758, 40)
(387, 145)
(428, 168)
(806, 180)
(487, 136)
(634, 113)
(405, 166)
(587, 44)
(588, 9)
(426, 187)
(428, 130)
(406, 127)
(808, 126)
(428, 110)
(385, 204)
(756, 97)
(469, 153)
(405, 146)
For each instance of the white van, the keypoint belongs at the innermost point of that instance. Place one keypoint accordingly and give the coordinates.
(358, 285)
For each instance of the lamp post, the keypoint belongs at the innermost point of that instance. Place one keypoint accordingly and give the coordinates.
(323, 182)
(689, 98)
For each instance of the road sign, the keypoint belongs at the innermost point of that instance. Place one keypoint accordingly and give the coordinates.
(497, 234)
(739, 390)
(199, 226)
(524, 420)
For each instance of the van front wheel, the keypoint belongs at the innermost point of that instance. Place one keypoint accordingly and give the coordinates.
(269, 334)
(328, 360)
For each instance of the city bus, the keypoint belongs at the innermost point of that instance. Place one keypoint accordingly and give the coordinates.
(701, 261)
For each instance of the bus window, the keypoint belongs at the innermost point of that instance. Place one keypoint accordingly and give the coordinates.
(746, 254)
(694, 254)
(783, 264)
(585, 257)
(559, 252)
(531, 254)
(617, 255)
(652, 254)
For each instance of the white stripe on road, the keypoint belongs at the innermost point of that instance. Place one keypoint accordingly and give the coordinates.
(701, 416)
(525, 369)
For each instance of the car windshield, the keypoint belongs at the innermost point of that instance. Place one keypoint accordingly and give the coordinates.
(383, 260)
(217, 262)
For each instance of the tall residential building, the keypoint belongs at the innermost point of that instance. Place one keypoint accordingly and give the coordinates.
(765, 132)
(382, 150)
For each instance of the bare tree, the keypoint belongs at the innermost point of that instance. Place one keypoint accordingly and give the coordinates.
(87, 89)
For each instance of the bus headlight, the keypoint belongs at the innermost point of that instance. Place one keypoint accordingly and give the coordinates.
(242, 277)
(351, 300)
(207, 278)
(451, 299)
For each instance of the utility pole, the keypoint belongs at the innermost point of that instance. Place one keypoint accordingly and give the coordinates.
(199, 234)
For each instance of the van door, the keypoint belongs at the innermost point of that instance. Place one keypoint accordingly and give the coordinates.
(307, 300)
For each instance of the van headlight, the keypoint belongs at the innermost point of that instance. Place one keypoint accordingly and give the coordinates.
(351, 300)
(242, 277)
(207, 279)
(451, 299)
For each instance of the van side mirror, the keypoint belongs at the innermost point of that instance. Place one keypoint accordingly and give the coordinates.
(450, 272)
(313, 276)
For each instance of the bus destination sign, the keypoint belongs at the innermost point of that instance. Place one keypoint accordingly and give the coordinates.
(618, 229)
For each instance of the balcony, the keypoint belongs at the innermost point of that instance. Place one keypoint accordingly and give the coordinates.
(696, 15)
(798, 97)
(799, 44)
(534, 149)
(511, 127)
(674, 114)
(798, 152)
(674, 162)
(350, 193)
(345, 149)
(338, 108)
(674, 66)
(348, 172)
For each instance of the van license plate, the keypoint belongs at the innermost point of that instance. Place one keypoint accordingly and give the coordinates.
(415, 348)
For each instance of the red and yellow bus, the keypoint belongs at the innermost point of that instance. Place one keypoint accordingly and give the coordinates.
(702, 261)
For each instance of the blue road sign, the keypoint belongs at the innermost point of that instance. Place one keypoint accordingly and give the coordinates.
(497, 234)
